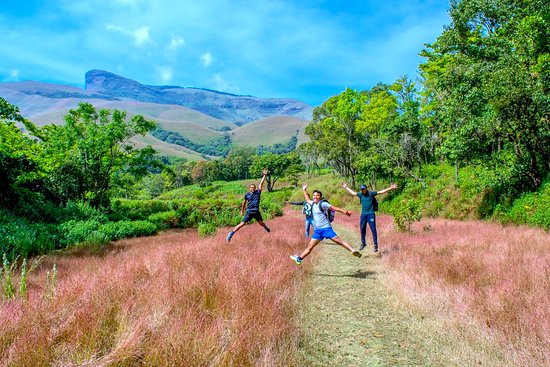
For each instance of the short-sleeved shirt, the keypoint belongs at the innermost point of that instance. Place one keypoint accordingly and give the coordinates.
(320, 220)
(366, 202)
(253, 199)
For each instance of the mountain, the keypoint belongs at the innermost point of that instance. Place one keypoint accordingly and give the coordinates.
(225, 106)
(200, 115)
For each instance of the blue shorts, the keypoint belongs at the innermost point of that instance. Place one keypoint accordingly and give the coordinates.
(322, 233)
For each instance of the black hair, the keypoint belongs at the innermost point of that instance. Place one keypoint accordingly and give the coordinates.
(320, 193)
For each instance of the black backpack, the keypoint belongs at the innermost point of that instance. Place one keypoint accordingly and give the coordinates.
(330, 214)
(374, 203)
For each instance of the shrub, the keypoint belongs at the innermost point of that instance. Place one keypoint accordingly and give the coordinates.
(164, 220)
(126, 228)
(77, 231)
(407, 215)
(207, 228)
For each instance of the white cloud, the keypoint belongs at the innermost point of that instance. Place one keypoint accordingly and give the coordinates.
(206, 59)
(165, 73)
(175, 43)
(140, 35)
(223, 86)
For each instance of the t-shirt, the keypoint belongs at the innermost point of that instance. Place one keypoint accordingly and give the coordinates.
(253, 198)
(320, 220)
(366, 202)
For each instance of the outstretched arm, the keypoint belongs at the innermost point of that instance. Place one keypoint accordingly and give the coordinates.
(345, 186)
(340, 210)
(392, 187)
(306, 195)
(264, 173)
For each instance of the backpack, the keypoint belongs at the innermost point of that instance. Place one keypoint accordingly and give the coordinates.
(330, 214)
(306, 209)
(374, 203)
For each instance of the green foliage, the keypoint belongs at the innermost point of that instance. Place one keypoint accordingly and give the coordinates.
(164, 220)
(529, 208)
(277, 165)
(487, 89)
(206, 229)
(124, 229)
(217, 147)
(406, 215)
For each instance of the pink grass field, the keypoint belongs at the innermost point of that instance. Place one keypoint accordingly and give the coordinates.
(495, 276)
(169, 300)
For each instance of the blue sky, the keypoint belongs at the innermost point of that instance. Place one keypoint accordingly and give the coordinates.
(308, 50)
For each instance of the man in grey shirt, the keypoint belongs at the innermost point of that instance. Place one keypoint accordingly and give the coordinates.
(321, 226)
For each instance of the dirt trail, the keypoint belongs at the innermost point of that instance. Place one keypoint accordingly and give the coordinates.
(351, 318)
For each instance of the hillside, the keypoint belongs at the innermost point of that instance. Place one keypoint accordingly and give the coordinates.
(198, 115)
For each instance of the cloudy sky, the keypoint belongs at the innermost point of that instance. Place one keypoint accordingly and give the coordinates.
(303, 49)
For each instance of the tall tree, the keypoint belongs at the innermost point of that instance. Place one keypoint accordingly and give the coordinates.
(487, 79)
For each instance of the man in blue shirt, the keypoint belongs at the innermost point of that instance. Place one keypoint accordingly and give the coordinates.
(367, 212)
(252, 198)
(321, 226)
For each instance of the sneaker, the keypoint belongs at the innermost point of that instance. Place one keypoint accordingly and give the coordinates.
(297, 259)
(375, 248)
(228, 238)
(267, 229)
(356, 253)
(362, 247)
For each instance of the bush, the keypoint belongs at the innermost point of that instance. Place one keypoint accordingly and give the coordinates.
(126, 228)
(164, 220)
(77, 231)
(407, 215)
(207, 228)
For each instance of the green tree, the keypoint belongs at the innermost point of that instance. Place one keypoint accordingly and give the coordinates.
(92, 152)
(278, 166)
(487, 81)
(334, 133)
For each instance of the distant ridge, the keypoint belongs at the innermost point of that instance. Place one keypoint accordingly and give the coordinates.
(234, 108)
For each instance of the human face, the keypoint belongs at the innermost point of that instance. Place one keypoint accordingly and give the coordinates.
(316, 197)
(252, 188)
(364, 191)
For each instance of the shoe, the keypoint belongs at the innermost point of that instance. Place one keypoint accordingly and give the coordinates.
(362, 247)
(356, 253)
(297, 259)
(375, 248)
(228, 238)
(267, 229)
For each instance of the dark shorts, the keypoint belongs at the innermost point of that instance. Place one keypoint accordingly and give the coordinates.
(252, 215)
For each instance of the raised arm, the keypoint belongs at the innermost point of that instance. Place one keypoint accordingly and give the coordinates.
(392, 187)
(264, 174)
(340, 210)
(306, 195)
(345, 186)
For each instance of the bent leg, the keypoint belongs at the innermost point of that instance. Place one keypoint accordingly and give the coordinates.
(342, 243)
(239, 226)
(309, 247)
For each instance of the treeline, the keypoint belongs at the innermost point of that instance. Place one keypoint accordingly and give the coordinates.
(220, 147)
(482, 100)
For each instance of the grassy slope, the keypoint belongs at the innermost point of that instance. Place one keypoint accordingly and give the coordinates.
(166, 148)
(269, 131)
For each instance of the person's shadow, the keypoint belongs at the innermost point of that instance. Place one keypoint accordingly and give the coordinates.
(361, 274)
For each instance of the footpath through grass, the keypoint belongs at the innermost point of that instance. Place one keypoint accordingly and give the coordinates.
(351, 318)
(354, 314)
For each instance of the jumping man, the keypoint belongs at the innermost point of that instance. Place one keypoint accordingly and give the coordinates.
(367, 212)
(321, 226)
(252, 197)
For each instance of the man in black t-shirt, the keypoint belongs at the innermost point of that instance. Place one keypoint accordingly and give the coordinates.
(252, 197)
